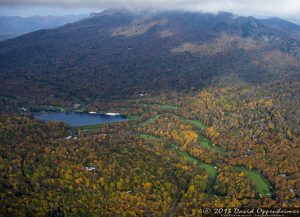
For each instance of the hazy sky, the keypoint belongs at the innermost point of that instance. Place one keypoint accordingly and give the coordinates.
(260, 8)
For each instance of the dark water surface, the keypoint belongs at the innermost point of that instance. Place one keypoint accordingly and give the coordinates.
(79, 119)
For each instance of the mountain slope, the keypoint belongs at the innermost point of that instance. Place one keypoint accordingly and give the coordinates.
(118, 54)
(281, 24)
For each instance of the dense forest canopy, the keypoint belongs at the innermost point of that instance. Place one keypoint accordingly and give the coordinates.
(117, 54)
(212, 102)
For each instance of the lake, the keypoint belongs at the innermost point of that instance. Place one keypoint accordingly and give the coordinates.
(79, 119)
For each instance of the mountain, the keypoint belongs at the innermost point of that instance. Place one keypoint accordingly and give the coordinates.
(117, 54)
(212, 104)
(282, 25)
(12, 26)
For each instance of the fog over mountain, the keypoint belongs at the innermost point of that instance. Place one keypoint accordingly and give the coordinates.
(263, 8)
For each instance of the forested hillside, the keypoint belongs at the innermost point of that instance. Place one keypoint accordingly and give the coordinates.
(118, 54)
(226, 146)
(212, 104)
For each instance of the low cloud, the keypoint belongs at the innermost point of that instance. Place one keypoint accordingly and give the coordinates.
(287, 8)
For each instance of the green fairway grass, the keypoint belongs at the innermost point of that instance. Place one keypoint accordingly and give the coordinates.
(261, 183)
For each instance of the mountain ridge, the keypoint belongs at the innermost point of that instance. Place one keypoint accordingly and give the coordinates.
(117, 54)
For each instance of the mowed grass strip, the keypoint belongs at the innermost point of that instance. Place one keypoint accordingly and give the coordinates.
(210, 169)
(150, 120)
(203, 141)
(261, 183)
(147, 136)
(198, 124)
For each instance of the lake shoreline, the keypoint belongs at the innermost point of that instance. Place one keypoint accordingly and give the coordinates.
(77, 119)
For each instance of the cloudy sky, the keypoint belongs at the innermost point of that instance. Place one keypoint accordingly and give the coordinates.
(259, 8)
